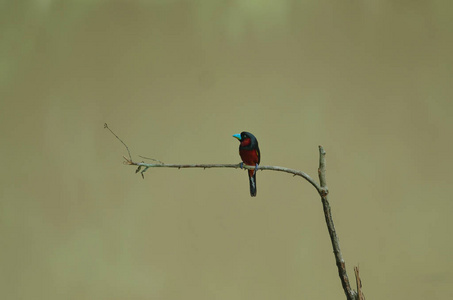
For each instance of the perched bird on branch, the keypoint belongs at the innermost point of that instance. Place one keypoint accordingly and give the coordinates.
(250, 155)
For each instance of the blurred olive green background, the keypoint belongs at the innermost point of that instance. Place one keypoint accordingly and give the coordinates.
(371, 81)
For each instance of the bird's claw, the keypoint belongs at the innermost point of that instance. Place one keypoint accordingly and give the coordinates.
(241, 165)
(256, 169)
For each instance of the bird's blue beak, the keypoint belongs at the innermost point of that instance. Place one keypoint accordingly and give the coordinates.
(238, 136)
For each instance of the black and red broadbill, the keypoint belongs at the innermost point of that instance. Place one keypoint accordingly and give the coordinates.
(250, 155)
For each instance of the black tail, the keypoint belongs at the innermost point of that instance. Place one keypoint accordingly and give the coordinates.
(252, 179)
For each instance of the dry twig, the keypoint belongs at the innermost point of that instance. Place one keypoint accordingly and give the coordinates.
(322, 191)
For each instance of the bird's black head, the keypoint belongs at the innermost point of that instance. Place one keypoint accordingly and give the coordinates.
(246, 139)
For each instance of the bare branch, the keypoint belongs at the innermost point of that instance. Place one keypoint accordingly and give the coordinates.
(153, 159)
(127, 148)
(234, 166)
(350, 293)
(321, 188)
(360, 295)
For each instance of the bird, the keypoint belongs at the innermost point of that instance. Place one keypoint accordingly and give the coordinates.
(250, 155)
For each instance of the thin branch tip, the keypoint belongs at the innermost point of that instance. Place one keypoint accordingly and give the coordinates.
(128, 161)
(127, 148)
(138, 169)
(359, 294)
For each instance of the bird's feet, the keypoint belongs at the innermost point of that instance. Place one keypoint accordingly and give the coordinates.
(256, 169)
(241, 165)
